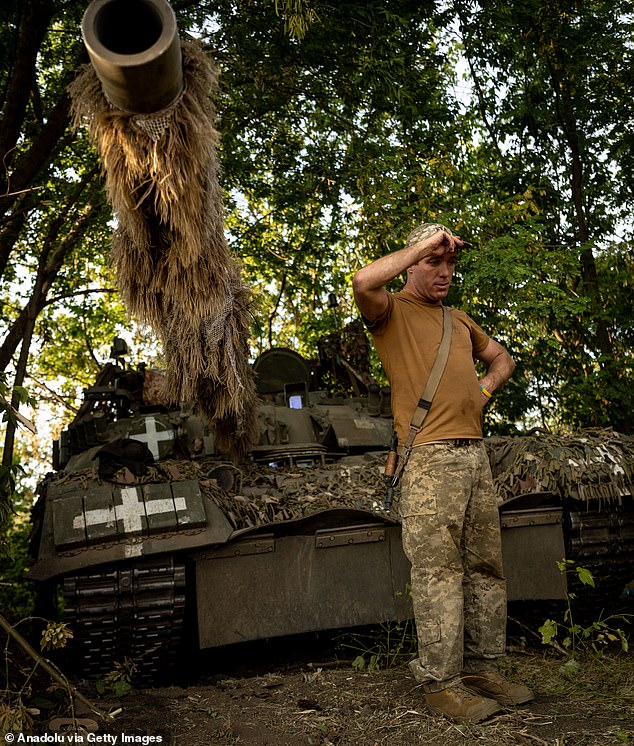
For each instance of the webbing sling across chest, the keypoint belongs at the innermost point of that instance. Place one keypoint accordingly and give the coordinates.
(397, 462)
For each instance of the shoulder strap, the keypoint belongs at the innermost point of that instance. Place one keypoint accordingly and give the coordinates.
(424, 403)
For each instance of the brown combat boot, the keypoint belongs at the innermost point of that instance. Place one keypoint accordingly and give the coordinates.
(460, 704)
(495, 686)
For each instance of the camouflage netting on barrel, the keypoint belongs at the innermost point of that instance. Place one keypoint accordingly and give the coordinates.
(587, 465)
(169, 249)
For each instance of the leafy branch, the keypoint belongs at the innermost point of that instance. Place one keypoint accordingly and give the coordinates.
(574, 636)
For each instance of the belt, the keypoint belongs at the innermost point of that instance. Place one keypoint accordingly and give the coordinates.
(455, 442)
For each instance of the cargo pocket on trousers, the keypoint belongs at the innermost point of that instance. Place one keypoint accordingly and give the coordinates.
(429, 634)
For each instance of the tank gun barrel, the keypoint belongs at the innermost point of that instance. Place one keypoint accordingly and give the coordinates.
(136, 52)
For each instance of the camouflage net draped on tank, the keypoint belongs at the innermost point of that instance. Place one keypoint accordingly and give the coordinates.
(590, 466)
(263, 495)
(587, 465)
(169, 249)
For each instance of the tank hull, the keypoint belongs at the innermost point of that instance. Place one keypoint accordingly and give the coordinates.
(326, 578)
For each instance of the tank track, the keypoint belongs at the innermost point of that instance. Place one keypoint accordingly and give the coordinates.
(133, 611)
(601, 540)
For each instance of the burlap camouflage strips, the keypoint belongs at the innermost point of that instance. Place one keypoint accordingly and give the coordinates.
(451, 535)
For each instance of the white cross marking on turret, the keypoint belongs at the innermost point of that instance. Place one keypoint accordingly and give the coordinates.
(152, 436)
(131, 511)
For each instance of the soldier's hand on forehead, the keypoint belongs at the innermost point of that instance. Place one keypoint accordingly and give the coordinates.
(431, 237)
(440, 242)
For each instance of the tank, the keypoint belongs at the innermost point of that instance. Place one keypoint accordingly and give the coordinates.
(156, 539)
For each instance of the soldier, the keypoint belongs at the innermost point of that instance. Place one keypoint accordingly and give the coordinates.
(451, 526)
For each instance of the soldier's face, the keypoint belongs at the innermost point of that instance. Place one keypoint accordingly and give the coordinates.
(430, 278)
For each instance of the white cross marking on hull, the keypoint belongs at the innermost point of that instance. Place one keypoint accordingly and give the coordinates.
(131, 511)
(152, 436)
(96, 517)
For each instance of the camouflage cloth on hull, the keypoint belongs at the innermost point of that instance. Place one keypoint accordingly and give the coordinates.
(590, 464)
(260, 495)
(452, 537)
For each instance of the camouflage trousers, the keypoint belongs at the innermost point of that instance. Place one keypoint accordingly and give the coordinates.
(452, 537)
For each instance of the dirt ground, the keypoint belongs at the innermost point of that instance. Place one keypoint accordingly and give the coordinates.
(316, 690)
(302, 691)
(317, 705)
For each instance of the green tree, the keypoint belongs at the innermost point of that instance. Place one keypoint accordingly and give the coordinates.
(328, 148)
(552, 87)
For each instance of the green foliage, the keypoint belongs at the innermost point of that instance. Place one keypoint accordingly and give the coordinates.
(575, 638)
(55, 636)
(298, 15)
(19, 395)
(21, 667)
(118, 681)
(16, 593)
(311, 155)
(552, 132)
(389, 646)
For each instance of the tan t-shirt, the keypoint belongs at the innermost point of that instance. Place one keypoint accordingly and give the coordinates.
(407, 337)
